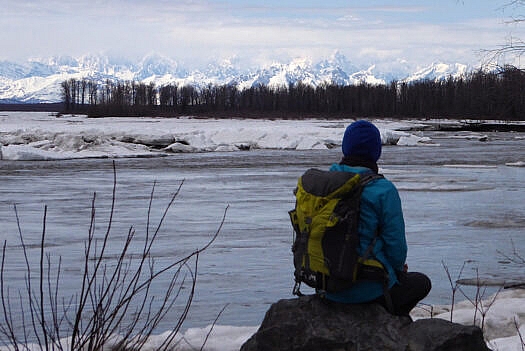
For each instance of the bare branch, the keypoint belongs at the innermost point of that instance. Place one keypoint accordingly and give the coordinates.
(113, 298)
(212, 326)
(453, 285)
(517, 325)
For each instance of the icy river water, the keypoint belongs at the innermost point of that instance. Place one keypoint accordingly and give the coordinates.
(461, 199)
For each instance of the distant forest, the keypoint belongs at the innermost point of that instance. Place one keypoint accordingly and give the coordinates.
(480, 95)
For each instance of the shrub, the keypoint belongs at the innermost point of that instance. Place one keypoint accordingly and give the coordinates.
(114, 307)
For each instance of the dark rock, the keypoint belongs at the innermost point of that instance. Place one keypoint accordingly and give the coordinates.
(310, 323)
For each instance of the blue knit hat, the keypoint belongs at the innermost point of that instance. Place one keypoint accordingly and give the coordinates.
(362, 139)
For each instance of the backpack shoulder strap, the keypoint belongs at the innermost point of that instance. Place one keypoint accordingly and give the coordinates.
(367, 177)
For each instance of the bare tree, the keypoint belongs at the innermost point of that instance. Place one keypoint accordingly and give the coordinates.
(514, 46)
(66, 94)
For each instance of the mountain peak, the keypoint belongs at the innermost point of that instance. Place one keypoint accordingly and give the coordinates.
(38, 80)
(438, 71)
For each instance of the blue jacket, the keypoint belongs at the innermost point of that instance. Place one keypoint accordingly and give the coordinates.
(380, 208)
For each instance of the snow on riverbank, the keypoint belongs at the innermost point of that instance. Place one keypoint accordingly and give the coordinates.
(43, 136)
(504, 315)
(503, 324)
(501, 315)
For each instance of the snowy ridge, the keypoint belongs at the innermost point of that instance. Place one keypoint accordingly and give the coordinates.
(38, 80)
(439, 71)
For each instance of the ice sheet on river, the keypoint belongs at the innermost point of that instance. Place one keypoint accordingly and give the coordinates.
(44, 136)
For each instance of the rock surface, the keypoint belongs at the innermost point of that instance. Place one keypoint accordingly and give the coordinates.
(310, 323)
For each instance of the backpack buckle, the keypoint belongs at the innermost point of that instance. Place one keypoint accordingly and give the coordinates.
(296, 288)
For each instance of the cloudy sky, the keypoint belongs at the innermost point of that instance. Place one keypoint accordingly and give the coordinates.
(254, 32)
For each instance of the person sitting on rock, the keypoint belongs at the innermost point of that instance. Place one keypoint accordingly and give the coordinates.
(380, 211)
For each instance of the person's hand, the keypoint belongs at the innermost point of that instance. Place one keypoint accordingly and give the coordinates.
(405, 268)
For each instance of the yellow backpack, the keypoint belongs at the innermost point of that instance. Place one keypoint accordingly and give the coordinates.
(325, 221)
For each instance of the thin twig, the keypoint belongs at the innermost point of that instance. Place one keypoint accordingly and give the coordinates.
(28, 280)
(8, 331)
(453, 286)
(212, 326)
(517, 325)
(41, 281)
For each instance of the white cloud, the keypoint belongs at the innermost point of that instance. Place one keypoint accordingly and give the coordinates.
(195, 31)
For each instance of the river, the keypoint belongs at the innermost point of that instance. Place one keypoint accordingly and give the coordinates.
(461, 199)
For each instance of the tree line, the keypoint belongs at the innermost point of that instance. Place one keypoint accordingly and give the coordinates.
(480, 95)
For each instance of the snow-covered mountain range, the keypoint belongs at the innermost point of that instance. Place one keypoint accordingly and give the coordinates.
(38, 80)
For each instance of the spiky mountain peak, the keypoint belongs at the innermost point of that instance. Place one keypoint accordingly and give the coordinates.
(38, 80)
